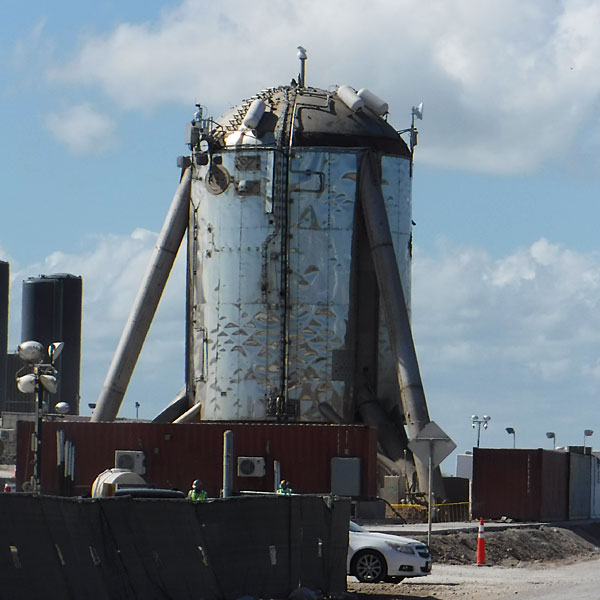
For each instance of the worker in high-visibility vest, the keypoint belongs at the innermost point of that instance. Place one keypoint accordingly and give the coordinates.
(285, 488)
(197, 493)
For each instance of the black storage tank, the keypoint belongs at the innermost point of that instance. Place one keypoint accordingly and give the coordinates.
(52, 313)
(4, 279)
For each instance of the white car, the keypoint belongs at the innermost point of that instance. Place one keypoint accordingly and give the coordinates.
(374, 557)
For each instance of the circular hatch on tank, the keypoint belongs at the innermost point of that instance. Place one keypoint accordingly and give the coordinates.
(217, 179)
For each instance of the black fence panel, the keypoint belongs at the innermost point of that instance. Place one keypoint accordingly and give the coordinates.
(30, 566)
(132, 549)
(248, 542)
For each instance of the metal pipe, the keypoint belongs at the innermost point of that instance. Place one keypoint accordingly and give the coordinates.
(145, 305)
(430, 498)
(276, 474)
(66, 462)
(68, 458)
(72, 467)
(227, 490)
(179, 405)
(60, 447)
(394, 306)
(60, 459)
(302, 74)
(189, 415)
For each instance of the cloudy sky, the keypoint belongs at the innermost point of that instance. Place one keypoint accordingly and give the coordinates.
(94, 98)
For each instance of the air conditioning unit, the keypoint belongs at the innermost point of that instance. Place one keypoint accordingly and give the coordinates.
(7, 434)
(132, 460)
(251, 466)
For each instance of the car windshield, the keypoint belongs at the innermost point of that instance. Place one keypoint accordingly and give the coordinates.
(356, 527)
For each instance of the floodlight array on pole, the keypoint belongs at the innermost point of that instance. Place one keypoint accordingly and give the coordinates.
(476, 422)
(40, 379)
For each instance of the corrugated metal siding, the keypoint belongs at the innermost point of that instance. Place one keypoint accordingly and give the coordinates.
(580, 485)
(527, 485)
(503, 483)
(178, 454)
(555, 491)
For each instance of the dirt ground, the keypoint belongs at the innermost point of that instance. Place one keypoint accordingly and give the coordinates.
(519, 551)
(513, 546)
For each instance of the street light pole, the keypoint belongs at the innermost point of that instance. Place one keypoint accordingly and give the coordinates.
(431, 446)
(37, 436)
(552, 436)
(430, 494)
(586, 433)
(41, 378)
(511, 431)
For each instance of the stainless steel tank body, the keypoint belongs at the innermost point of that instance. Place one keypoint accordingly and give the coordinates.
(285, 312)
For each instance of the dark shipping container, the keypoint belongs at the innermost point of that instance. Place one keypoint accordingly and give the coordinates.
(525, 485)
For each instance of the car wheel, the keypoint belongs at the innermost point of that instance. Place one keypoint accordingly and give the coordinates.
(393, 579)
(368, 566)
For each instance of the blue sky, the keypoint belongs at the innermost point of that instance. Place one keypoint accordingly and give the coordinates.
(94, 99)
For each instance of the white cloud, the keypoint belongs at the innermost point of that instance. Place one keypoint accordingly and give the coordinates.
(541, 301)
(515, 337)
(510, 85)
(33, 39)
(32, 54)
(82, 129)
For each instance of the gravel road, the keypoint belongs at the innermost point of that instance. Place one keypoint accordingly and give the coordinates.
(544, 581)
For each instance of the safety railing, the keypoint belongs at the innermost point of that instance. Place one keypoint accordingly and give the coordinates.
(442, 513)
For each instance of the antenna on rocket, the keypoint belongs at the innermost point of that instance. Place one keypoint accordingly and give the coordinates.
(417, 113)
(302, 74)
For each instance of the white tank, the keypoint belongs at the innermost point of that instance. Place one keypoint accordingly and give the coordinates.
(254, 114)
(375, 103)
(350, 98)
(106, 483)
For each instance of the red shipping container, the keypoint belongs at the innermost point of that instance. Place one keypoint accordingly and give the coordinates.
(176, 454)
(524, 485)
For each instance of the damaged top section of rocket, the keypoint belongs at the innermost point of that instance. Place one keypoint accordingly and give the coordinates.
(292, 116)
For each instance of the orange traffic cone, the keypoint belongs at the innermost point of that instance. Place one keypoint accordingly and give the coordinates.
(480, 544)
